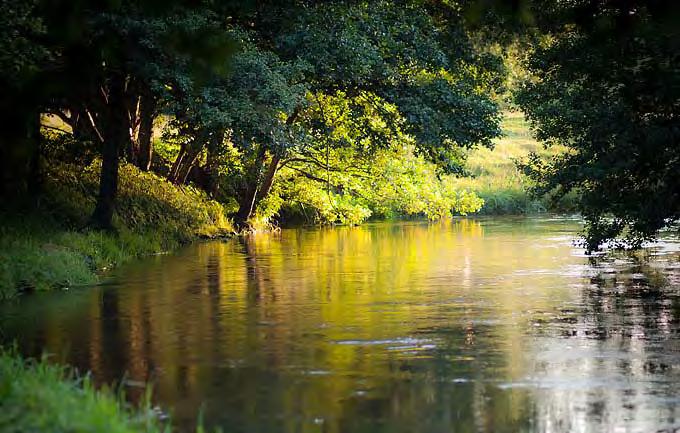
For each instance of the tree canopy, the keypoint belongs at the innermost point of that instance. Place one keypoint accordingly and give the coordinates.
(276, 107)
(244, 90)
(606, 84)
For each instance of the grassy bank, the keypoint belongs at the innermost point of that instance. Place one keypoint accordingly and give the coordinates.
(48, 245)
(36, 396)
(496, 178)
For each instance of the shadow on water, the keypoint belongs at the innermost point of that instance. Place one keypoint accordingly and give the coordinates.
(496, 325)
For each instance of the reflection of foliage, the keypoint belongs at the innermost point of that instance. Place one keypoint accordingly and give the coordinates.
(279, 304)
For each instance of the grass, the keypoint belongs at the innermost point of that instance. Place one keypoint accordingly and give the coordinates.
(496, 178)
(36, 396)
(46, 247)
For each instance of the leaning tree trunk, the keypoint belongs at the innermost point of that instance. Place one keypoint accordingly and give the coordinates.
(187, 165)
(147, 108)
(172, 174)
(212, 164)
(186, 159)
(256, 191)
(248, 198)
(268, 180)
(132, 115)
(116, 136)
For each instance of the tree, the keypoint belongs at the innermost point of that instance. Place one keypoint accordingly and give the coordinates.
(360, 163)
(22, 57)
(251, 109)
(385, 52)
(115, 64)
(606, 85)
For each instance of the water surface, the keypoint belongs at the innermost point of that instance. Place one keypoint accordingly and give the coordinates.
(496, 325)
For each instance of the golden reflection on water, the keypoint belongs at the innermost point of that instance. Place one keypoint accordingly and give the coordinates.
(461, 326)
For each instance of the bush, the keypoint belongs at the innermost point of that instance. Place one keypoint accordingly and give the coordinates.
(49, 246)
(146, 202)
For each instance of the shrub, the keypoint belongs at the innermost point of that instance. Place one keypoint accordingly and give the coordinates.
(50, 247)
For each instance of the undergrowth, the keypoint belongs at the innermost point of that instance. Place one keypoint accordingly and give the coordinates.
(49, 245)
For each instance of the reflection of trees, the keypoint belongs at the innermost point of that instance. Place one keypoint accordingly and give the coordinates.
(624, 339)
(350, 329)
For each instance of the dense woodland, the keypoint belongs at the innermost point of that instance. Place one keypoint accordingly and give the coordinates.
(256, 104)
(330, 112)
(132, 127)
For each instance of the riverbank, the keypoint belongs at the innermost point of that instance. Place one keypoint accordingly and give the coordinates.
(47, 245)
(36, 396)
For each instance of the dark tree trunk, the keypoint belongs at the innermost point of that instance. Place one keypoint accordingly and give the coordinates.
(35, 175)
(186, 159)
(19, 156)
(116, 136)
(211, 173)
(147, 109)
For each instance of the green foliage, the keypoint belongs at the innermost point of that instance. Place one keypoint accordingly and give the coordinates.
(306, 201)
(386, 66)
(405, 184)
(361, 164)
(39, 396)
(30, 259)
(20, 54)
(147, 202)
(397, 53)
(247, 100)
(607, 86)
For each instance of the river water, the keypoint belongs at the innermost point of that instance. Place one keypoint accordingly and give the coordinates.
(491, 325)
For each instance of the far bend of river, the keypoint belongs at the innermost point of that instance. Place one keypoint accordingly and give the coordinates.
(489, 325)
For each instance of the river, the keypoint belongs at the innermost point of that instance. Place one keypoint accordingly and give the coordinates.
(487, 325)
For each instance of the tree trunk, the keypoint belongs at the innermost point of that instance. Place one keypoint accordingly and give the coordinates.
(257, 189)
(116, 136)
(252, 183)
(20, 154)
(212, 164)
(187, 164)
(132, 150)
(35, 175)
(185, 159)
(147, 110)
(268, 180)
(172, 174)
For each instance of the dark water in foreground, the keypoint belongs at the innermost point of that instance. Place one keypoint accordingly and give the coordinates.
(496, 325)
